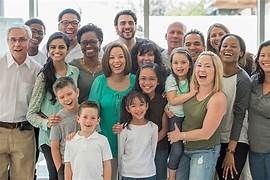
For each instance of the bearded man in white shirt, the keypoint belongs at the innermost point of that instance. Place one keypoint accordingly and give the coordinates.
(17, 76)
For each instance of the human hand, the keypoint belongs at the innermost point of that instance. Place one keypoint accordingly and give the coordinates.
(174, 135)
(117, 128)
(169, 113)
(228, 165)
(53, 120)
(70, 136)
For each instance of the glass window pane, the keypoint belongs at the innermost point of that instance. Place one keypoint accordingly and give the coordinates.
(92, 11)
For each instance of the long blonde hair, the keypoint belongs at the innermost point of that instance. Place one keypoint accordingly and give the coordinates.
(218, 82)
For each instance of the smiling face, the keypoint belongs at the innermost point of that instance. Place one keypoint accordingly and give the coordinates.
(38, 32)
(148, 81)
(126, 27)
(147, 57)
(69, 25)
(18, 44)
(58, 50)
(90, 44)
(180, 65)
(215, 37)
(68, 98)
(264, 59)
(230, 51)
(194, 44)
(117, 61)
(88, 119)
(204, 71)
(137, 108)
(174, 35)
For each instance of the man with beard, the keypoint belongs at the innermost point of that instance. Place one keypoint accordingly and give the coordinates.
(174, 37)
(38, 31)
(125, 23)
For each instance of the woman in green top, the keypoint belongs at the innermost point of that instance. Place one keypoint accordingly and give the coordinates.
(43, 104)
(203, 114)
(108, 90)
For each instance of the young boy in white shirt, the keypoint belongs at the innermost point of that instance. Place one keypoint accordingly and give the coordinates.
(88, 154)
(67, 94)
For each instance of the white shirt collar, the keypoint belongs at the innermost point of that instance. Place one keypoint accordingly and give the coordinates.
(11, 61)
(92, 136)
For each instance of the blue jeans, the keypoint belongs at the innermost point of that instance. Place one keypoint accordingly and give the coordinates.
(161, 164)
(198, 164)
(177, 148)
(259, 165)
(147, 178)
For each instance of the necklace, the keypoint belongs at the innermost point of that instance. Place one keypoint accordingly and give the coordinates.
(95, 69)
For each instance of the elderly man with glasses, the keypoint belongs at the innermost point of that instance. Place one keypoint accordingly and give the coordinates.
(18, 73)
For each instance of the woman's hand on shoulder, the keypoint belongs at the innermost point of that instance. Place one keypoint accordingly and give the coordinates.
(53, 120)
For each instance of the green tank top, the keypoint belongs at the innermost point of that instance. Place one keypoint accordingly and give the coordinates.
(195, 112)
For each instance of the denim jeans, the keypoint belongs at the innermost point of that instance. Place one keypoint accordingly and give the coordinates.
(161, 164)
(146, 178)
(177, 148)
(259, 165)
(198, 164)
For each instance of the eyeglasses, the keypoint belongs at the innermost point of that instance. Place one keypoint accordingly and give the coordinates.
(38, 32)
(73, 23)
(89, 42)
(13, 40)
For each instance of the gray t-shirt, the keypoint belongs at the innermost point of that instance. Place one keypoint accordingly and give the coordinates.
(65, 127)
(259, 118)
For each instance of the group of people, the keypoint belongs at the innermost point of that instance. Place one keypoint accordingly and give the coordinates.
(132, 110)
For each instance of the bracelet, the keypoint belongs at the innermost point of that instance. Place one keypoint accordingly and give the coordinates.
(230, 151)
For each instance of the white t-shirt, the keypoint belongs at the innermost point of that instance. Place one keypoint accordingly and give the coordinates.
(40, 58)
(86, 156)
(137, 149)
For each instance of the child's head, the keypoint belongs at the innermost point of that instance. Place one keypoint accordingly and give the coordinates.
(66, 93)
(134, 107)
(149, 79)
(88, 115)
(181, 63)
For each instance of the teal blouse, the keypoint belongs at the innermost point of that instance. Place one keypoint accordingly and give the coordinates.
(109, 101)
(40, 102)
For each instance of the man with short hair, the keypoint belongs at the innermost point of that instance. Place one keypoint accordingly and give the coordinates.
(17, 76)
(195, 43)
(69, 23)
(125, 23)
(38, 31)
(174, 37)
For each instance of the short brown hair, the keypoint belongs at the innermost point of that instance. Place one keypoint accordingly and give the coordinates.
(62, 82)
(106, 57)
(88, 104)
